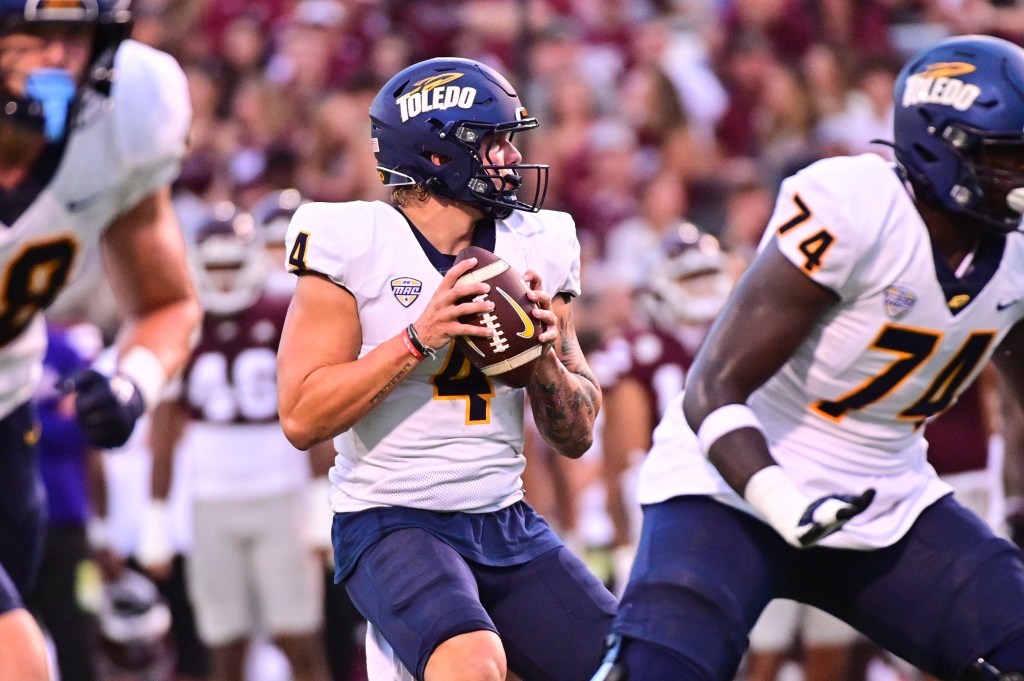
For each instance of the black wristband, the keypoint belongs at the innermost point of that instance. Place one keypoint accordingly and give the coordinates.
(418, 344)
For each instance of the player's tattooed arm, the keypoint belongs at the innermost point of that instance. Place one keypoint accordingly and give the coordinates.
(394, 381)
(564, 394)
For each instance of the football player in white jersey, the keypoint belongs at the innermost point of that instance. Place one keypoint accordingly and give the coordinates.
(433, 539)
(794, 465)
(85, 158)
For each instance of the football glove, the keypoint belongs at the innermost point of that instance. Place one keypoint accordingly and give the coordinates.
(107, 406)
(828, 514)
(800, 520)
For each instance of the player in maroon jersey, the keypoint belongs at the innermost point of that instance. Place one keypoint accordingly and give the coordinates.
(250, 569)
(644, 367)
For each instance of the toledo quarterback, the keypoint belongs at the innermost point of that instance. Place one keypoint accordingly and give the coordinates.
(794, 465)
(433, 538)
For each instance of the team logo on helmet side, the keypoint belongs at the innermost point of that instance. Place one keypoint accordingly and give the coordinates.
(936, 84)
(434, 94)
(406, 290)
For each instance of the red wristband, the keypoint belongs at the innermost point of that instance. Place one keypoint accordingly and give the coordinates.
(410, 347)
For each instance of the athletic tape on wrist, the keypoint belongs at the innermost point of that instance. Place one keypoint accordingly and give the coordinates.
(774, 494)
(724, 420)
(142, 366)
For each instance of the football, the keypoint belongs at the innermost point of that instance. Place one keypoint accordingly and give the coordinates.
(511, 354)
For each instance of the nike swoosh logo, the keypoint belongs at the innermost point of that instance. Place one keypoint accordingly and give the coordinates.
(1000, 306)
(471, 344)
(81, 204)
(528, 328)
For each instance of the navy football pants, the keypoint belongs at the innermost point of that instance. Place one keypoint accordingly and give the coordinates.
(947, 593)
(22, 507)
(551, 613)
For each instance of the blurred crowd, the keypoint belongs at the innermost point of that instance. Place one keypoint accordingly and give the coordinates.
(651, 110)
(666, 123)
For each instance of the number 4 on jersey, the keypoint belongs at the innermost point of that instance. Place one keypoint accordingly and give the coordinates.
(460, 380)
(297, 256)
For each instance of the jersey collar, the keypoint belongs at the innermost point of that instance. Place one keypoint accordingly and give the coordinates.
(484, 236)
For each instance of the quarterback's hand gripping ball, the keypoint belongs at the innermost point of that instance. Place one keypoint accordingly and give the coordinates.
(511, 354)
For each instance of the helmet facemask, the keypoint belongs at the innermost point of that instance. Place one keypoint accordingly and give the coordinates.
(428, 125)
(689, 283)
(229, 261)
(49, 99)
(494, 187)
(997, 165)
(991, 169)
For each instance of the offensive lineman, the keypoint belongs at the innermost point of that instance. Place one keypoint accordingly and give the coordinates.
(794, 465)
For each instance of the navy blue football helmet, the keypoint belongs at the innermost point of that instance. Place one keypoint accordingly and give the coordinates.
(448, 106)
(959, 127)
(50, 96)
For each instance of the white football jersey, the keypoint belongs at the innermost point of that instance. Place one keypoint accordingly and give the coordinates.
(447, 438)
(845, 413)
(120, 150)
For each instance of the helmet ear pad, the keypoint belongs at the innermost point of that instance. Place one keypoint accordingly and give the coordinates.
(448, 165)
